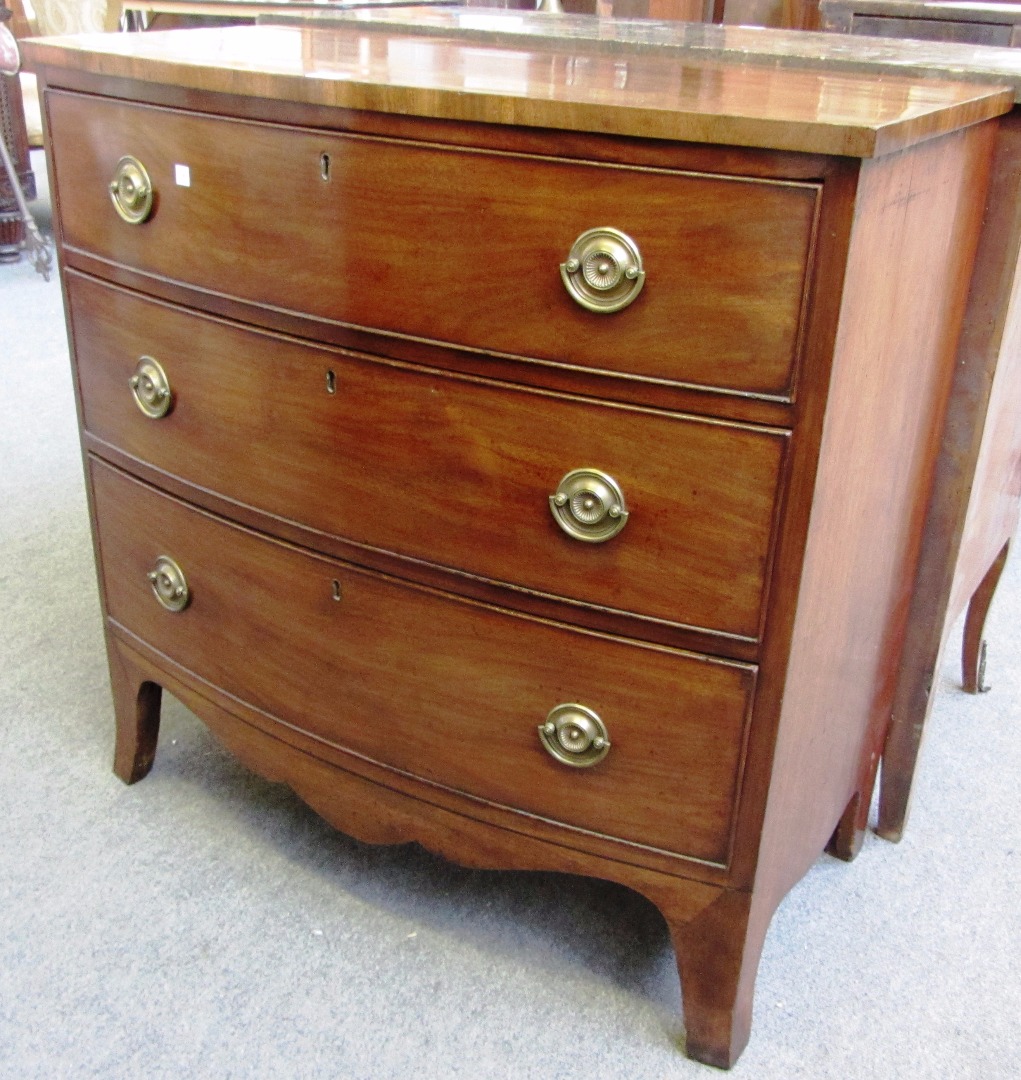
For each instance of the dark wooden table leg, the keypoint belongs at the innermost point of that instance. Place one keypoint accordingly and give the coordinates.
(914, 700)
(136, 702)
(973, 648)
(849, 835)
(904, 740)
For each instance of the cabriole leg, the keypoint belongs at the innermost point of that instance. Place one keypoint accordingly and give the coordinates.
(973, 648)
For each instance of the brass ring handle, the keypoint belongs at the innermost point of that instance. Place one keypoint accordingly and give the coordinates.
(603, 271)
(131, 191)
(168, 584)
(150, 388)
(589, 505)
(575, 735)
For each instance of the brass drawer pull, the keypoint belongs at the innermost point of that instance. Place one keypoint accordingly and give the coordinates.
(589, 505)
(603, 271)
(575, 735)
(150, 388)
(168, 584)
(131, 191)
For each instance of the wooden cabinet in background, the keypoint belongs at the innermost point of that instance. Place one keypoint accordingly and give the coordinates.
(925, 20)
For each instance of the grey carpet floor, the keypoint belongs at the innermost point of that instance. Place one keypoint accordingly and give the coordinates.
(204, 923)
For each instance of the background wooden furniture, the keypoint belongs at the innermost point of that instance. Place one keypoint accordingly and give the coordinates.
(928, 20)
(341, 517)
(670, 10)
(975, 507)
(781, 14)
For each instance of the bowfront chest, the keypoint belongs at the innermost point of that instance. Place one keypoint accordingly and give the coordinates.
(521, 454)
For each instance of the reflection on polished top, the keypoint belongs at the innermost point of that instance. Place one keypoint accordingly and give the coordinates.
(561, 82)
(755, 44)
(260, 8)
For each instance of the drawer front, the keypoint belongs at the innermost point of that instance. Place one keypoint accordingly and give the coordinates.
(440, 688)
(439, 467)
(450, 245)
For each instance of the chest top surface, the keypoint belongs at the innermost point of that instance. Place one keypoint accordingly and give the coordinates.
(560, 83)
(733, 44)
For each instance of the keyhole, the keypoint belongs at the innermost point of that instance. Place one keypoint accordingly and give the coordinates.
(336, 589)
(331, 382)
(324, 167)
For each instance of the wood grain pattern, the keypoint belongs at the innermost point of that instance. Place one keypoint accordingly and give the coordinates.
(838, 221)
(407, 709)
(444, 245)
(974, 508)
(685, 157)
(717, 946)
(892, 373)
(473, 683)
(993, 506)
(755, 45)
(377, 814)
(702, 100)
(977, 488)
(255, 422)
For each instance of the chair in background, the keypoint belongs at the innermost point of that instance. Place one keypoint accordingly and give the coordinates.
(47, 18)
(15, 138)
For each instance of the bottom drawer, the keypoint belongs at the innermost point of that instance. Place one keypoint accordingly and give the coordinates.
(441, 688)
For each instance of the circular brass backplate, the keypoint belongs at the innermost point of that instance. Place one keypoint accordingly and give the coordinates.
(603, 271)
(589, 505)
(168, 584)
(131, 190)
(575, 735)
(151, 388)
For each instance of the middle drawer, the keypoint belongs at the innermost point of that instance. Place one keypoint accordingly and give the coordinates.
(452, 470)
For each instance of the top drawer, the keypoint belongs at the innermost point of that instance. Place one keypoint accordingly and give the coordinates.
(458, 246)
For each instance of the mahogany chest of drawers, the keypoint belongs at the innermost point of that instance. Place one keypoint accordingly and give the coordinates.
(520, 454)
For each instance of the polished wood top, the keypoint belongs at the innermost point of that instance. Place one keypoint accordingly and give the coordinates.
(752, 44)
(254, 9)
(688, 10)
(554, 82)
